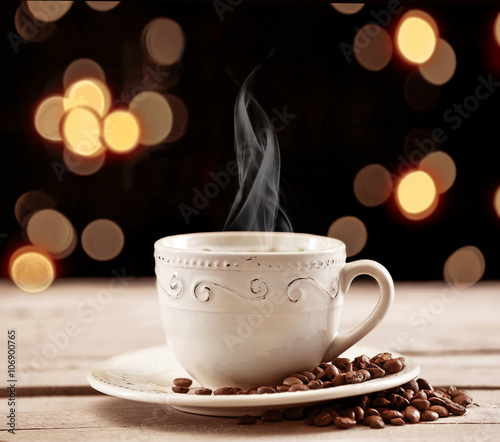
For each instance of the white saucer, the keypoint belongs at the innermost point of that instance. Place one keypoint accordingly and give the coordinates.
(147, 376)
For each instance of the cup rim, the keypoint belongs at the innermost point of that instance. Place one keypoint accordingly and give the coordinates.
(328, 244)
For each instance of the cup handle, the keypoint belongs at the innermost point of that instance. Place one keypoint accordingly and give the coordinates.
(381, 275)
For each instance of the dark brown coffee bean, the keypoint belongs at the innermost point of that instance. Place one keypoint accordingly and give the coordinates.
(246, 420)
(408, 394)
(294, 414)
(301, 377)
(376, 372)
(437, 393)
(411, 414)
(331, 371)
(428, 415)
(225, 391)
(399, 402)
(450, 390)
(424, 385)
(392, 366)
(319, 373)
(390, 414)
(245, 391)
(371, 412)
(347, 412)
(361, 362)
(272, 416)
(291, 381)
(323, 419)
(182, 382)
(298, 387)
(455, 408)
(203, 391)
(265, 390)
(364, 401)
(420, 395)
(442, 392)
(412, 385)
(252, 391)
(341, 363)
(327, 384)
(309, 420)
(403, 361)
(339, 380)
(354, 377)
(381, 358)
(366, 374)
(463, 399)
(344, 423)
(308, 375)
(380, 402)
(397, 421)
(333, 413)
(349, 367)
(182, 390)
(420, 404)
(315, 385)
(282, 388)
(374, 421)
(440, 410)
(437, 401)
(359, 413)
(455, 393)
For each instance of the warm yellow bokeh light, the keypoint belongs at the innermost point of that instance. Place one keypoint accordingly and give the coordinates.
(416, 194)
(29, 203)
(372, 47)
(416, 38)
(496, 29)
(163, 41)
(352, 231)
(48, 118)
(103, 239)
(80, 69)
(441, 66)
(48, 11)
(373, 185)
(103, 6)
(90, 92)
(121, 131)
(31, 270)
(464, 267)
(348, 8)
(81, 131)
(441, 167)
(81, 165)
(496, 202)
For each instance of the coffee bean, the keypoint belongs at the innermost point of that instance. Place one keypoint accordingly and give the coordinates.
(339, 380)
(376, 372)
(450, 390)
(420, 404)
(182, 382)
(463, 399)
(455, 393)
(399, 402)
(359, 413)
(348, 412)
(253, 391)
(424, 385)
(390, 414)
(310, 420)
(298, 387)
(327, 384)
(397, 421)
(245, 391)
(265, 390)
(301, 377)
(366, 374)
(272, 416)
(203, 391)
(381, 358)
(282, 388)
(411, 414)
(438, 394)
(420, 395)
(315, 385)
(365, 400)
(440, 410)
(319, 373)
(246, 420)
(354, 377)
(344, 423)
(341, 363)
(291, 381)
(412, 385)
(361, 362)
(408, 394)
(429, 415)
(455, 408)
(371, 412)
(225, 391)
(308, 375)
(374, 421)
(323, 419)
(182, 390)
(294, 414)
(437, 401)
(392, 366)
(380, 402)
(331, 371)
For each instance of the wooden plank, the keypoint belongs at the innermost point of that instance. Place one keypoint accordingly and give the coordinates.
(65, 331)
(105, 418)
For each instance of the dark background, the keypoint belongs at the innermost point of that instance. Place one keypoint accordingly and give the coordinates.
(345, 118)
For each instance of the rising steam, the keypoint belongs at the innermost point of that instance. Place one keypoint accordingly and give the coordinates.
(256, 206)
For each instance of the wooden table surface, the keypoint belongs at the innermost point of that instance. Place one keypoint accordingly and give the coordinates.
(454, 335)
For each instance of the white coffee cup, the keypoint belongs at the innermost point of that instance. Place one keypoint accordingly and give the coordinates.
(245, 309)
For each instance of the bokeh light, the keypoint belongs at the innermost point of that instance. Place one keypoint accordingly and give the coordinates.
(154, 115)
(180, 116)
(89, 92)
(416, 195)
(31, 269)
(48, 118)
(102, 6)
(80, 69)
(121, 131)
(373, 185)
(51, 231)
(416, 36)
(348, 8)
(496, 201)
(29, 203)
(29, 28)
(81, 131)
(496, 29)
(464, 267)
(48, 11)
(441, 167)
(372, 47)
(441, 66)
(163, 41)
(83, 166)
(352, 231)
(102, 239)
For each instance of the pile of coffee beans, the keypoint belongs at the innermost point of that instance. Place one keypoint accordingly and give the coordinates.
(340, 371)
